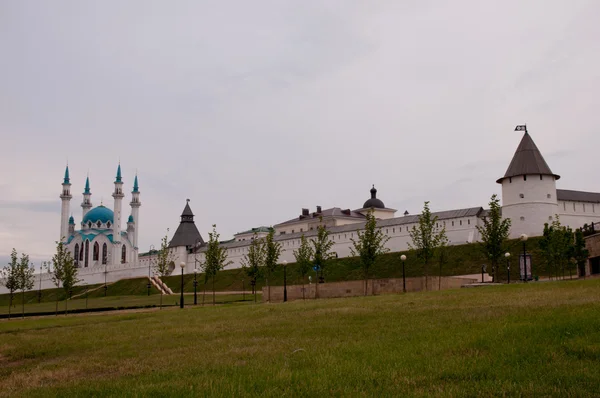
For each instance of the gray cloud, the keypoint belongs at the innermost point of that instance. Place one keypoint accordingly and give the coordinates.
(256, 109)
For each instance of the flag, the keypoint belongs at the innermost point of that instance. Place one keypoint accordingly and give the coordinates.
(521, 127)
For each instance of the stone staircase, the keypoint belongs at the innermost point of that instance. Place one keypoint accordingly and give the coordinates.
(160, 285)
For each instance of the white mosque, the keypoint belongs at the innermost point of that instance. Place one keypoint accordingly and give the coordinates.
(529, 198)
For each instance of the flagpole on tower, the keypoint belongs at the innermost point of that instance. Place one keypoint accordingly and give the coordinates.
(521, 127)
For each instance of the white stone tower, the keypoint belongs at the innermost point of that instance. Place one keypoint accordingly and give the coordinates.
(86, 205)
(135, 211)
(118, 196)
(66, 197)
(528, 190)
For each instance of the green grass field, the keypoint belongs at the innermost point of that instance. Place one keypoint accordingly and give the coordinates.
(537, 339)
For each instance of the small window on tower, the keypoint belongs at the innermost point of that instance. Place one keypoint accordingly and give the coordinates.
(98, 224)
(89, 224)
(548, 196)
(522, 218)
(525, 178)
(108, 224)
(521, 195)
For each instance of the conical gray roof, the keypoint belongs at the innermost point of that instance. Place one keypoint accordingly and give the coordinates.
(187, 234)
(527, 161)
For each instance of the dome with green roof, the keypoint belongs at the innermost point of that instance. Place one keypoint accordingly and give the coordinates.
(100, 213)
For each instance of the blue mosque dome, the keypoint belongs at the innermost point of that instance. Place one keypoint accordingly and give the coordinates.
(100, 213)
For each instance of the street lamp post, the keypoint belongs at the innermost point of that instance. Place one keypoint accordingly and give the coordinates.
(507, 255)
(105, 287)
(149, 285)
(182, 265)
(195, 266)
(284, 281)
(403, 258)
(524, 240)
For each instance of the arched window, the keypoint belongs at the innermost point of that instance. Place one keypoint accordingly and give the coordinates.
(98, 224)
(123, 254)
(87, 252)
(77, 254)
(96, 251)
(104, 253)
(108, 224)
(89, 224)
(81, 252)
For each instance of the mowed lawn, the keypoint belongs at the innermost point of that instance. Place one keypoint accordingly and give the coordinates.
(539, 339)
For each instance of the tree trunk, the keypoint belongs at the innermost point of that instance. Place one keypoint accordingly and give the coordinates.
(66, 305)
(426, 273)
(440, 278)
(268, 288)
(161, 294)
(56, 313)
(204, 293)
(213, 286)
(303, 298)
(23, 302)
(10, 299)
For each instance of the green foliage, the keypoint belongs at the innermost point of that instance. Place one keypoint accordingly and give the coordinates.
(10, 277)
(494, 234)
(304, 256)
(557, 246)
(63, 271)
(272, 252)
(580, 253)
(427, 238)
(164, 258)
(254, 260)
(215, 258)
(322, 248)
(369, 246)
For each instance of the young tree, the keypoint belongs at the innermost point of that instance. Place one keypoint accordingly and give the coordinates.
(253, 261)
(426, 238)
(164, 258)
(63, 271)
(272, 252)
(322, 248)
(215, 258)
(369, 245)
(10, 278)
(557, 246)
(580, 253)
(546, 248)
(26, 278)
(494, 234)
(303, 259)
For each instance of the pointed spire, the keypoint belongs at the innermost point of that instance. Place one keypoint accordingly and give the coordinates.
(135, 184)
(67, 179)
(527, 160)
(187, 211)
(373, 192)
(118, 179)
(87, 185)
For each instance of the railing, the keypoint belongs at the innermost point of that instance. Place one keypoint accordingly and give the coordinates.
(591, 229)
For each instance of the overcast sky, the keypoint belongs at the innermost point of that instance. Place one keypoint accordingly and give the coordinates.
(255, 109)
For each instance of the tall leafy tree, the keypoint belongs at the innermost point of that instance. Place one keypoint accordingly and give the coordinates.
(322, 245)
(494, 235)
(10, 278)
(215, 258)
(272, 252)
(253, 261)
(426, 238)
(369, 246)
(303, 257)
(164, 260)
(580, 253)
(557, 245)
(26, 278)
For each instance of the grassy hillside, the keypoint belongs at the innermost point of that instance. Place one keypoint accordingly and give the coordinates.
(531, 340)
(461, 260)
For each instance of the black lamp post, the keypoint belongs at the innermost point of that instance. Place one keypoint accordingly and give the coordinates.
(507, 255)
(195, 266)
(403, 258)
(182, 265)
(284, 281)
(105, 287)
(524, 240)
(195, 289)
